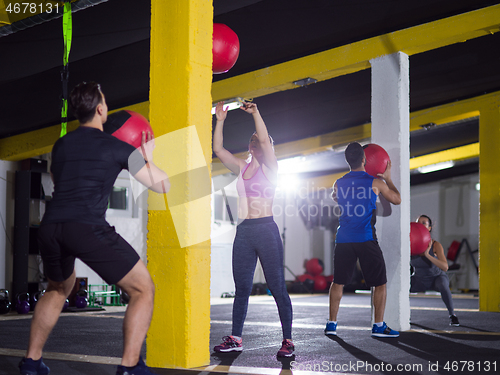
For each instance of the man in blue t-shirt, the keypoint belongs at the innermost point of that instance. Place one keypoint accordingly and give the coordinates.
(356, 195)
(85, 164)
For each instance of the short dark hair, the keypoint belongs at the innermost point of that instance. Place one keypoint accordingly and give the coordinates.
(84, 99)
(354, 155)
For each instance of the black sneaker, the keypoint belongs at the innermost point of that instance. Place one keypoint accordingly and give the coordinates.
(139, 369)
(454, 321)
(29, 367)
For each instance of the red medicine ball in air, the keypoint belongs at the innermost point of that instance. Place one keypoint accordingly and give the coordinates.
(225, 48)
(376, 159)
(420, 238)
(127, 126)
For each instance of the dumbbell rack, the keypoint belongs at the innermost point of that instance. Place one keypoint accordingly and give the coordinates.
(104, 295)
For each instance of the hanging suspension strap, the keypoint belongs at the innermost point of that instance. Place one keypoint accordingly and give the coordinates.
(67, 36)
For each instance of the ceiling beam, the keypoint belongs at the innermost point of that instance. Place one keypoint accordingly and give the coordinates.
(39, 142)
(14, 10)
(356, 56)
(321, 66)
(4, 17)
(314, 185)
(307, 146)
(439, 115)
(452, 154)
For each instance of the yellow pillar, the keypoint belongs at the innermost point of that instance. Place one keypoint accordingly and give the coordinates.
(179, 235)
(489, 208)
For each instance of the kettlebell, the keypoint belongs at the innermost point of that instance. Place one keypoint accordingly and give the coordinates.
(81, 300)
(5, 304)
(34, 299)
(124, 297)
(23, 304)
(66, 305)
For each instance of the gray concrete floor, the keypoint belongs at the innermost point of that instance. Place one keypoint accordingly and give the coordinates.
(91, 343)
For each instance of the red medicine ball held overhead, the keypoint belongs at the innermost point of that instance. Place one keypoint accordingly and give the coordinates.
(376, 159)
(127, 126)
(225, 48)
(420, 238)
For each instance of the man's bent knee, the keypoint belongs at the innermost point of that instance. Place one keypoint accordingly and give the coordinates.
(137, 281)
(62, 287)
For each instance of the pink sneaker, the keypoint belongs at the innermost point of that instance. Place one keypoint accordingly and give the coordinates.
(229, 344)
(287, 349)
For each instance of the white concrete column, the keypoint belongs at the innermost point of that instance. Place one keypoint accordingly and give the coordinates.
(391, 130)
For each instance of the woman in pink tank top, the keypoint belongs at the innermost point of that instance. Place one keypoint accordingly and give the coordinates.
(257, 236)
(258, 175)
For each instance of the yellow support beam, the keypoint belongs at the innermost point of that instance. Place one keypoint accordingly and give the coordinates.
(17, 10)
(39, 142)
(326, 65)
(356, 56)
(31, 144)
(4, 16)
(489, 208)
(454, 154)
(179, 235)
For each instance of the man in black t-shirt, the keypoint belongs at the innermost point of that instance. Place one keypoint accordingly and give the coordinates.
(85, 164)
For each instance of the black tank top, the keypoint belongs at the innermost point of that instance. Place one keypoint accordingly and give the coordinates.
(423, 266)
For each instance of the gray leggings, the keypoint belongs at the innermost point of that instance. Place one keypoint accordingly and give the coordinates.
(440, 283)
(259, 238)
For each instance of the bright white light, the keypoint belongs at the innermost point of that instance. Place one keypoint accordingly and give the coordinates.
(478, 186)
(287, 181)
(436, 167)
(287, 166)
(230, 104)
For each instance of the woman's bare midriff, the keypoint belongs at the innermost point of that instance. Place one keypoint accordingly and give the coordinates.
(255, 207)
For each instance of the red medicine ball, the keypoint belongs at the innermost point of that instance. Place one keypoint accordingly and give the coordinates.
(320, 283)
(127, 126)
(314, 266)
(225, 48)
(376, 159)
(420, 238)
(304, 277)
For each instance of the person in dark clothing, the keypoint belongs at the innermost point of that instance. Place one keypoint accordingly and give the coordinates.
(85, 164)
(356, 194)
(430, 271)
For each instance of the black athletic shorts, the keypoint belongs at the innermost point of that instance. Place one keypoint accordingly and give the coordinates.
(98, 246)
(370, 258)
